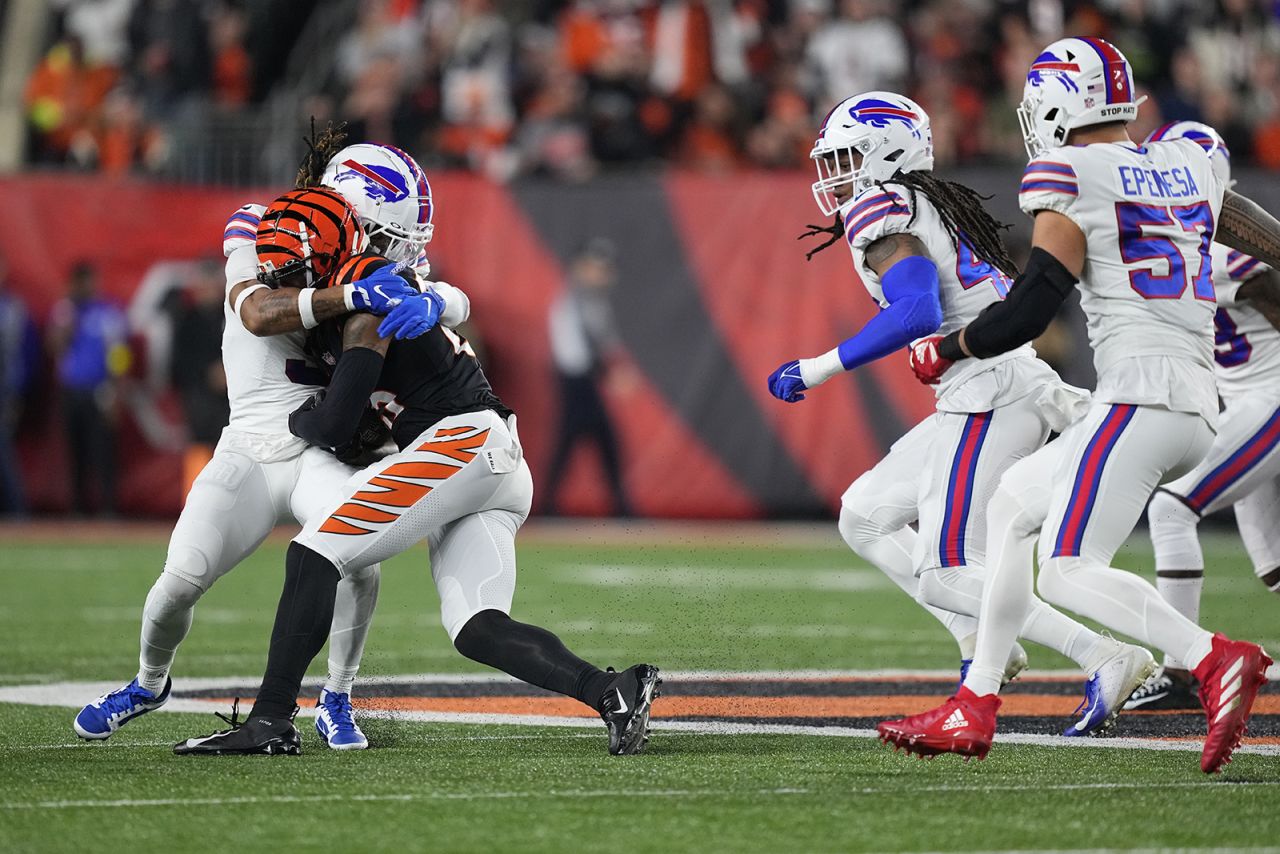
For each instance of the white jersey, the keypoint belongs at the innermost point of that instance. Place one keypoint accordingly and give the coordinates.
(1247, 346)
(966, 285)
(268, 377)
(1148, 213)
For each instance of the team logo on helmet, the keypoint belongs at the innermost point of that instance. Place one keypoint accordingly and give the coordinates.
(879, 113)
(380, 182)
(1049, 66)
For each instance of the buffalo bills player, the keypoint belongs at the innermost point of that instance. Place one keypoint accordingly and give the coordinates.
(1242, 468)
(1132, 226)
(932, 257)
(260, 473)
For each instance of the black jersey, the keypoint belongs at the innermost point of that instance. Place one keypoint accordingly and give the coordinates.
(423, 379)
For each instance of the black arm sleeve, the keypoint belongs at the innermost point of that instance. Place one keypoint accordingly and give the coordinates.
(1022, 316)
(333, 422)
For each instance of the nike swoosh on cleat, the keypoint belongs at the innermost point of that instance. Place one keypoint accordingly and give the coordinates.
(621, 702)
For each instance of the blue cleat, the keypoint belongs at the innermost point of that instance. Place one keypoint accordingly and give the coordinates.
(101, 718)
(1109, 688)
(336, 722)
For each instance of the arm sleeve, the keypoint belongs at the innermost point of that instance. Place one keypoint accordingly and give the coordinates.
(334, 421)
(1022, 316)
(914, 310)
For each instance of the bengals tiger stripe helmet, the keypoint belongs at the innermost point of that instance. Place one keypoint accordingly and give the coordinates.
(311, 231)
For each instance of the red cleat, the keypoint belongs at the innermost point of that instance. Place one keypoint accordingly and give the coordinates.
(965, 724)
(1230, 677)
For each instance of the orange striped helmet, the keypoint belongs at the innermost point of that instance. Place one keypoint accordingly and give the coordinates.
(311, 231)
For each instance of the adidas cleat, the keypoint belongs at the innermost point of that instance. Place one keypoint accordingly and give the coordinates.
(267, 736)
(101, 718)
(964, 724)
(1165, 692)
(626, 708)
(1110, 686)
(336, 723)
(1230, 677)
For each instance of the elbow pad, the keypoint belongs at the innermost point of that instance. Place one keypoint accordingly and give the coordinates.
(1025, 313)
(911, 288)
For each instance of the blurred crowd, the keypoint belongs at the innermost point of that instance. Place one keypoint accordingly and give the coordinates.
(510, 87)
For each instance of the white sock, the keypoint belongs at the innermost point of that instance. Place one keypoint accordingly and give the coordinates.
(353, 606)
(1183, 593)
(166, 619)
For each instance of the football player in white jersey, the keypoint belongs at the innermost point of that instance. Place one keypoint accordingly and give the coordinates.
(1132, 225)
(261, 473)
(932, 257)
(1242, 468)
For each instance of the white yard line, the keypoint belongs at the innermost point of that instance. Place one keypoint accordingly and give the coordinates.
(629, 793)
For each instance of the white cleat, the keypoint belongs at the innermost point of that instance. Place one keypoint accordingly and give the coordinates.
(1110, 686)
(1015, 665)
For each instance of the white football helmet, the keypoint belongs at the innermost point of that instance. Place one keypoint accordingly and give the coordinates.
(1074, 83)
(888, 132)
(390, 192)
(1206, 137)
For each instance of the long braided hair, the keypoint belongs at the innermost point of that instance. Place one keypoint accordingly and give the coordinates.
(320, 150)
(960, 208)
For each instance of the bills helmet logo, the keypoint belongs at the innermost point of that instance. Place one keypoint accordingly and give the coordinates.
(1049, 66)
(380, 182)
(878, 113)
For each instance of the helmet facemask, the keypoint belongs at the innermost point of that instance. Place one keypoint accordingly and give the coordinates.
(839, 168)
(397, 243)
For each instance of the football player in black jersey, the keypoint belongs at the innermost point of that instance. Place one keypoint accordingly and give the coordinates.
(460, 482)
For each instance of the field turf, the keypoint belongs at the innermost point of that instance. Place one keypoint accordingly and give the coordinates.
(686, 599)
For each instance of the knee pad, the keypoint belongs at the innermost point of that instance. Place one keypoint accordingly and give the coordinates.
(1173, 532)
(171, 594)
(860, 531)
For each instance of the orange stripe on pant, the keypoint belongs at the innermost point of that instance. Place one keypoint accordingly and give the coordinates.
(463, 450)
(396, 493)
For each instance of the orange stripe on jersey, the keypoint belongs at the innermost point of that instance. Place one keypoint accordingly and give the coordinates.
(429, 471)
(453, 431)
(463, 450)
(351, 510)
(395, 493)
(334, 525)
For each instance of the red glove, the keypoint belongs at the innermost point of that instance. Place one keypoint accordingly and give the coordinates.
(927, 365)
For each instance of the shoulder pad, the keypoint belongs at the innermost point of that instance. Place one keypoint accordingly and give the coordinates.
(241, 228)
(876, 213)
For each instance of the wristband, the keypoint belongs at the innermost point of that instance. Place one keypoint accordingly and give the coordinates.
(244, 295)
(949, 348)
(816, 371)
(348, 296)
(305, 310)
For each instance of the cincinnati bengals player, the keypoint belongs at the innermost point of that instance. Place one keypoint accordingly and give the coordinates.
(260, 473)
(459, 481)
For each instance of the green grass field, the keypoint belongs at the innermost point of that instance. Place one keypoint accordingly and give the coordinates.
(685, 599)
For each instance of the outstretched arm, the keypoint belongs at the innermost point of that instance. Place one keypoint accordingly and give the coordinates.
(1245, 226)
(331, 419)
(267, 311)
(909, 280)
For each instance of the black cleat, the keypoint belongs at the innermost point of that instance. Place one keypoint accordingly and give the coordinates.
(626, 708)
(266, 736)
(1165, 692)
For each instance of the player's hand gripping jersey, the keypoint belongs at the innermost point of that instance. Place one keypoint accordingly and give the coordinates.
(1148, 213)
(966, 285)
(1247, 346)
(423, 379)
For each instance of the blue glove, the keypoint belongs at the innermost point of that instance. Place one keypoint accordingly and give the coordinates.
(381, 292)
(414, 316)
(785, 383)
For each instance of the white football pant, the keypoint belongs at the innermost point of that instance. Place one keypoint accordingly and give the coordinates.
(463, 486)
(1084, 494)
(233, 505)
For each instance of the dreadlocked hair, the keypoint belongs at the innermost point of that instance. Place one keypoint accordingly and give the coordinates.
(963, 214)
(320, 150)
(961, 211)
